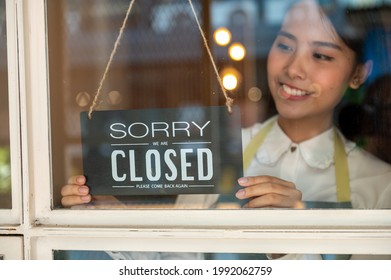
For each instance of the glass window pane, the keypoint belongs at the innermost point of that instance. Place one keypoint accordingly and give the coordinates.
(5, 167)
(108, 255)
(161, 62)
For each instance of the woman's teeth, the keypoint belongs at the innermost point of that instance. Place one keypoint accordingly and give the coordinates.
(294, 91)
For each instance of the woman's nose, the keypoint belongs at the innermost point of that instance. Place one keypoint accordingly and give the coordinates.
(297, 66)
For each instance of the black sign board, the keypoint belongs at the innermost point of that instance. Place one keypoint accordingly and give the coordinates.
(160, 151)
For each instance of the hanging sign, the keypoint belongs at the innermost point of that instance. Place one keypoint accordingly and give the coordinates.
(160, 151)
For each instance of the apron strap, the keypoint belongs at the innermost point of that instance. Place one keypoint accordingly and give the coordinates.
(341, 169)
(255, 143)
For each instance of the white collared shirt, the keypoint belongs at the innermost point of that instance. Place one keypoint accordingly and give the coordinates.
(310, 166)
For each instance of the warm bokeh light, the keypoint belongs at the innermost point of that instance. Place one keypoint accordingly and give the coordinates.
(114, 97)
(83, 99)
(237, 51)
(230, 81)
(222, 36)
(231, 78)
(254, 94)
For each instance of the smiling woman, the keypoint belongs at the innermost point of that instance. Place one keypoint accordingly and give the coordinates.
(310, 67)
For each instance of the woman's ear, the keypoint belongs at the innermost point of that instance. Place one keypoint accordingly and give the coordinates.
(361, 74)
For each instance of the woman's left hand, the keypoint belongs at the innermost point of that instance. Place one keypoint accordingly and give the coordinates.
(268, 191)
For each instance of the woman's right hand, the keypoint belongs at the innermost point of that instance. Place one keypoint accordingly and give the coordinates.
(75, 192)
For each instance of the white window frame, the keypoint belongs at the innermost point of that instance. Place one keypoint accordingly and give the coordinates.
(13, 216)
(207, 241)
(296, 231)
(11, 247)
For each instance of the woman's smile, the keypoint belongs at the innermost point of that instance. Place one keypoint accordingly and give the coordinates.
(292, 93)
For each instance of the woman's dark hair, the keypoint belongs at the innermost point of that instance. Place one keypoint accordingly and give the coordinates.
(350, 24)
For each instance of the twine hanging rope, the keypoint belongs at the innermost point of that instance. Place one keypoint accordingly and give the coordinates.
(116, 44)
(229, 100)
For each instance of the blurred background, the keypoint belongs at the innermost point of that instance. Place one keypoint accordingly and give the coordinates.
(5, 169)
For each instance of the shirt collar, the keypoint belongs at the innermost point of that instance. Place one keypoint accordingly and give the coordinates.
(317, 152)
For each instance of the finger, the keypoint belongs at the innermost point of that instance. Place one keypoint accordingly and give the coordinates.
(271, 200)
(253, 180)
(68, 201)
(77, 180)
(70, 190)
(268, 188)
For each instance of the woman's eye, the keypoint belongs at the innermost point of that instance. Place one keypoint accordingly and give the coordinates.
(320, 56)
(284, 47)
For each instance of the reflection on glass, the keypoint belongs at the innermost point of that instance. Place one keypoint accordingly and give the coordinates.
(5, 168)
(161, 63)
(110, 255)
(122, 255)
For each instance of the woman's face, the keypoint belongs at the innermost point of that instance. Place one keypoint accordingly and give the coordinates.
(309, 66)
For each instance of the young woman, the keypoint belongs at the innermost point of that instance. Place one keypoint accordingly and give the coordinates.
(310, 66)
(298, 157)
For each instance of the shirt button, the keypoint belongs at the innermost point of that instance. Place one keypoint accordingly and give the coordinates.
(293, 148)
